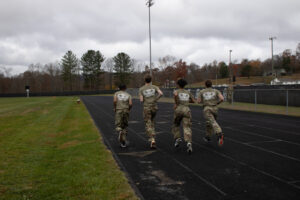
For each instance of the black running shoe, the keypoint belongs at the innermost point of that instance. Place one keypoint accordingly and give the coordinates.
(206, 139)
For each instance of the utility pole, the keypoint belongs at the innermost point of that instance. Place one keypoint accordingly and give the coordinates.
(272, 38)
(149, 4)
(229, 66)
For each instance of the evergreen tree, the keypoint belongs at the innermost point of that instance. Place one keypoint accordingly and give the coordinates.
(91, 62)
(122, 68)
(69, 65)
(246, 70)
(224, 72)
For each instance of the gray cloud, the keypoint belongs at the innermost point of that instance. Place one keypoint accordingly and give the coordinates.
(197, 31)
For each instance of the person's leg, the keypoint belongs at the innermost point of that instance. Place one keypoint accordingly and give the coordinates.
(125, 118)
(153, 114)
(208, 116)
(148, 123)
(217, 129)
(119, 125)
(186, 122)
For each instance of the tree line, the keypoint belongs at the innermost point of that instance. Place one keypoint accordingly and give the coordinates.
(94, 72)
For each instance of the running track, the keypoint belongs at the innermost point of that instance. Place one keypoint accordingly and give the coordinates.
(260, 158)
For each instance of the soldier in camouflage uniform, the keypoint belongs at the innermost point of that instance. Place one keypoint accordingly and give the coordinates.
(122, 106)
(182, 113)
(149, 94)
(211, 98)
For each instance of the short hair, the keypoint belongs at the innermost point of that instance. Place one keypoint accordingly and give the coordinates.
(208, 83)
(148, 78)
(122, 86)
(181, 82)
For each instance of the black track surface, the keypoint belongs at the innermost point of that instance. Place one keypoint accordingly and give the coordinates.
(260, 158)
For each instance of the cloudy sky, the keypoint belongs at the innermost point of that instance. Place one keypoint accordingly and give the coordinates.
(42, 31)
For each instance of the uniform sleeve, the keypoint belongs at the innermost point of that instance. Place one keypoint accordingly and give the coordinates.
(191, 95)
(218, 93)
(175, 92)
(140, 92)
(200, 95)
(156, 89)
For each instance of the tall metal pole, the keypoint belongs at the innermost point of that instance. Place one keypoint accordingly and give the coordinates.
(149, 4)
(229, 65)
(272, 38)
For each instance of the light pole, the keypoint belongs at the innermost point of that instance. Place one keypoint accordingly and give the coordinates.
(272, 38)
(229, 65)
(149, 4)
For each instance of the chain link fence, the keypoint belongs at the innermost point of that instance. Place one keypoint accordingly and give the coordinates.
(283, 97)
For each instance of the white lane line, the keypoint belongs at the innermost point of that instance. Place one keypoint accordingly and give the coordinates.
(255, 134)
(260, 142)
(177, 161)
(247, 165)
(278, 130)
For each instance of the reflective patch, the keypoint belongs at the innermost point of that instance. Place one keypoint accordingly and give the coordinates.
(209, 95)
(184, 96)
(123, 97)
(149, 92)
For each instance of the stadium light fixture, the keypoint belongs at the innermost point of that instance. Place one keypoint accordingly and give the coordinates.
(150, 3)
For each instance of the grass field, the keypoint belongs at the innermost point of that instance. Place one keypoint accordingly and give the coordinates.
(50, 149)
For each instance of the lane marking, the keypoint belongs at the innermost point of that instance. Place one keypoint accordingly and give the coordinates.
(178, 162)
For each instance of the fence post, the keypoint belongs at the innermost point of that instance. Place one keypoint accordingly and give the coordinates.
(287, 101)
(255, 101)
(232, 97)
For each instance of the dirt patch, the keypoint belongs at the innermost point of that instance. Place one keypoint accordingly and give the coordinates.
(3, 189)
(139, 154)
(75, 143)
(164, 180)
(30, 110)
(69, 144)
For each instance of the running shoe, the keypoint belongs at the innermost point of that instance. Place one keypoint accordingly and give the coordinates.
(206, 139)
(123, 144)
(189, 148)
(177, 142)
(153, 144)
(221, 140)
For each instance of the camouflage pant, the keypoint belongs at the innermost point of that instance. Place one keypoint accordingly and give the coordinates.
(149, 115)
(121, 122)
(210, 116)
(182, 113)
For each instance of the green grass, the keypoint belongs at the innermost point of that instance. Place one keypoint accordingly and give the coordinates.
(50, 149)
(272, 109)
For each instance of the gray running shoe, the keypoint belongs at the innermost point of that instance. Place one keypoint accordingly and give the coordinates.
(189, 148)
(177, 142)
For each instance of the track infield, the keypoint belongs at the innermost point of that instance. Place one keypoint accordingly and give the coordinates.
(260, 158)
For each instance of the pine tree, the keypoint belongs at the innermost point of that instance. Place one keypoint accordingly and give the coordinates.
(122, 68)
(69, 65)
(91, 62)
